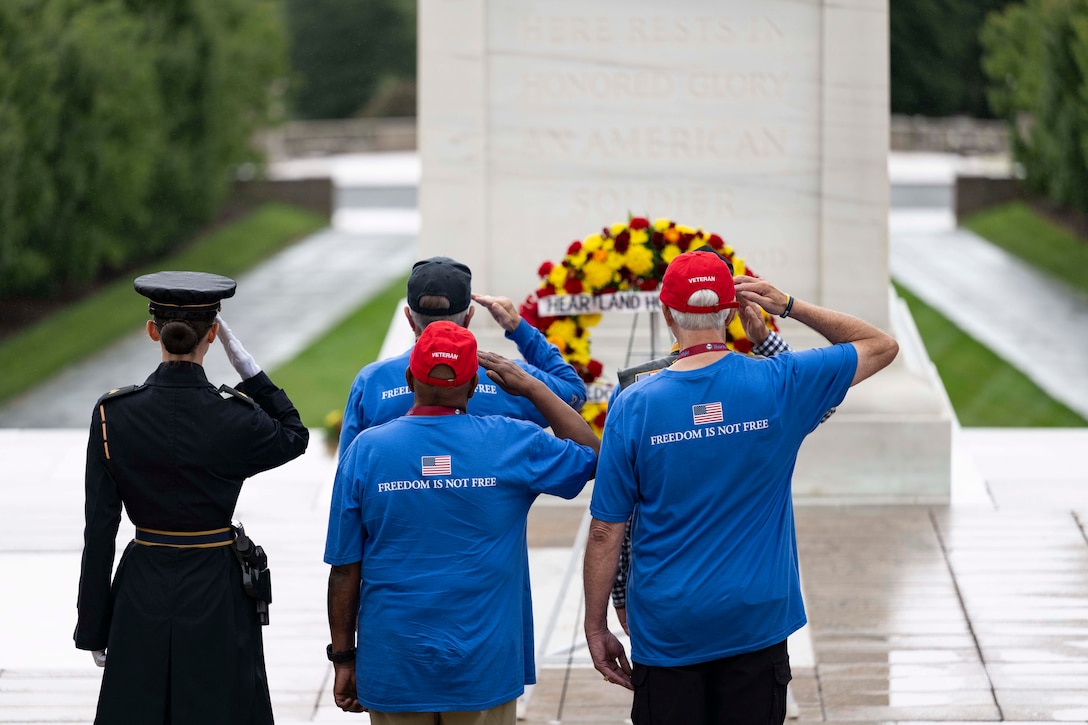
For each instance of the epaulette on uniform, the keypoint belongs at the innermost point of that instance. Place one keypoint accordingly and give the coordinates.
(118, 392)
(229, 393)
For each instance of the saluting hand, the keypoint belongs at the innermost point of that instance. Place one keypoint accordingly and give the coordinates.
(751, 318)
(242, 362)
(760, 292)
(508, 375)
(502, 309)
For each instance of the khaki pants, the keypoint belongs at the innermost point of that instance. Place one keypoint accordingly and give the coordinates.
(505, 714)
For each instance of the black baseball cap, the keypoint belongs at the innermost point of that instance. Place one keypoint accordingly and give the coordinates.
(444, 277)
(716, 253)
(188, 295)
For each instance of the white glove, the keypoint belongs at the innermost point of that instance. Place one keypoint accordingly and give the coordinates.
(99, 657)
(242, 362)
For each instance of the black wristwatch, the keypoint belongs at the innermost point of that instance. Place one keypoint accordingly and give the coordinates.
(346, 656)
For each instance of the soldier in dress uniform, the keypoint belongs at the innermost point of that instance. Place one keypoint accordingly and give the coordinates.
(178, 635)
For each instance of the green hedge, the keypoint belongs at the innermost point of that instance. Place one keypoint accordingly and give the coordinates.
(95, 322)
(1036, 57)
(120, 123)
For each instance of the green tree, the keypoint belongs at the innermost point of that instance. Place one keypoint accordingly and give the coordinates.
(120, 123)
(935, 56)
(343, 51)
(1036, 56)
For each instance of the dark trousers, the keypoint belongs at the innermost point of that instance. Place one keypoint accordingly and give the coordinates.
(745, 689)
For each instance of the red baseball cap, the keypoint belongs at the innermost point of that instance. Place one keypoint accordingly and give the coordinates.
(444, 343)
(691, 272)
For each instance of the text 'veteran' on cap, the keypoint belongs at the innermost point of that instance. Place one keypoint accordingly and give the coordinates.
(189, 295)
(444, 343)
(691, 272)
(443, 277)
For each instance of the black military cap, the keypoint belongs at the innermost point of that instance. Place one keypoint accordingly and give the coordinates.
(189, 295)
(443, 277)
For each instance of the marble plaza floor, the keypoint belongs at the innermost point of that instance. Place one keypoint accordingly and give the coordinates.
(974, 611)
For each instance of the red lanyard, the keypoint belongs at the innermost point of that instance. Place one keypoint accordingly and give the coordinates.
(700, 349)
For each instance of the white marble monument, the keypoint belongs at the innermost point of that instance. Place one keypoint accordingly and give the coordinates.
(766, 123)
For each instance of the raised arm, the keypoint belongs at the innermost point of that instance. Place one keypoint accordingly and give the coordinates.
(876, 349)
(543, 359)
(564, 421)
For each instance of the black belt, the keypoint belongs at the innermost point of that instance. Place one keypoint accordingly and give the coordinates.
(185, 539)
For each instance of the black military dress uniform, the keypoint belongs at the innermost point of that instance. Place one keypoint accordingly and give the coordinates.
(183, 640)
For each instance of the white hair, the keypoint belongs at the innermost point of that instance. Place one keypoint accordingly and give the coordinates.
(701, 320)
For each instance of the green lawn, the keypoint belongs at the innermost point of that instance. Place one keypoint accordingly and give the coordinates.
(984, 390)
(319, 378)
(1020, 231)
(94, 322)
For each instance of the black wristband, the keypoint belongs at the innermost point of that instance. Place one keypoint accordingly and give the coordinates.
(346, 656)
(789, 306)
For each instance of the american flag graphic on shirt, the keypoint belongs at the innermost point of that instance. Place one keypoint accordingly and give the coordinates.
(436, 465)
(707, 413)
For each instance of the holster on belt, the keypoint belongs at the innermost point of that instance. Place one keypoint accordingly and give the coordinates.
(256, 577)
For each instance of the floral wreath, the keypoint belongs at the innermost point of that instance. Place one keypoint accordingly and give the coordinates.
(629, 256)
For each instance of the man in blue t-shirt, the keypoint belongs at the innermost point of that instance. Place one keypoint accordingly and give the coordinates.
(427, 538)
(440, 288)
(702, 455)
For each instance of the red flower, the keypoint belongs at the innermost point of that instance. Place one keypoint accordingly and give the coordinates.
(545, 269)
(638, 223)
(715, 241)
(623, 241)
(598, 421)
(742, 345)
(648, 285)
(595, 368)
(574, 248)
(658, 240)
(545, 291)
(573, 286)
(684, 241)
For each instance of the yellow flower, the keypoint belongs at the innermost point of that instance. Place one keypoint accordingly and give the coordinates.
(563, 329)
(579, 349)
(670, 252)
(617, 228)
(559, 343)
(639, 236)
(589, 320)
(558, 277)
(736, 328)
(614, 261)
(738, 266)
(578, 259)
(684, 229)
(597, 273)
(592, 243)
(640, 260)
(661, 224)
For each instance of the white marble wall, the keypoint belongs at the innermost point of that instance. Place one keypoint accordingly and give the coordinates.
(765, 122)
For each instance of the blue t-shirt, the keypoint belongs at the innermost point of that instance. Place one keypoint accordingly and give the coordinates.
(380, 392)
(704, 460)
(435, 509)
